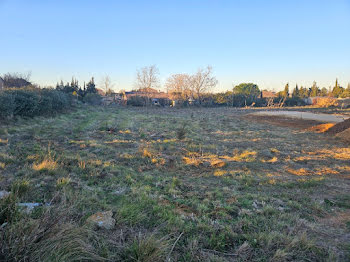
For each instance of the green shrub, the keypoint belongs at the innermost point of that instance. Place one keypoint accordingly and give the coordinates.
(92, 99)
(26, 103)
(7, 105)
(30, 102)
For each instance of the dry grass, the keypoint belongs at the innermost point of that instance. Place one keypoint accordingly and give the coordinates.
(3, 141)
(326, 102)
(146, 248)
(47, 164)
(232, 188)
(49, 238)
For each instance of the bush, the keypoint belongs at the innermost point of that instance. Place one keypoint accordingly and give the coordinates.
(30, 102)
(7, 105)
(92, 99)
(138, 101)
(294, 101)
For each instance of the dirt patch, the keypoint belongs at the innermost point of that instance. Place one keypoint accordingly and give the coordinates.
(340, 127)
(284, 121)
(340, 130)
(345, 135)
(339, 219)
(325, 118)
(321, 128)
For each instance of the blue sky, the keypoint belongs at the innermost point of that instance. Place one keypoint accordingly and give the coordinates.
(266, 42)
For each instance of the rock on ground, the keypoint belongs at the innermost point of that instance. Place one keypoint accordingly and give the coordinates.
(4, 194)
(102, 220)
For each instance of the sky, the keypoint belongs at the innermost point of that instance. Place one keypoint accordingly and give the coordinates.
(266, 42)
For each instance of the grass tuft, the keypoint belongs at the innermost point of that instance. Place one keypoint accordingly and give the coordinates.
(147, 249)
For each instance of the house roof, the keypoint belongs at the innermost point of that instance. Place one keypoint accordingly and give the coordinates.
(100, 92)
(266, 93)
(149, 92)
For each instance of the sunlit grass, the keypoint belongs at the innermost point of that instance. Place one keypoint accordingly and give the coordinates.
(3, 141)
(119, 141)
(341, 153)
(47, 164)
(245, 156)
(192, 161)
(272, 160)
(217, 163)
(219, 172)
(146, 153)
(125, 131)
(318, 171)
(95, 162)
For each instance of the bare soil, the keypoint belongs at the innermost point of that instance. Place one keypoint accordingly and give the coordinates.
(284, 121)
(340, 127)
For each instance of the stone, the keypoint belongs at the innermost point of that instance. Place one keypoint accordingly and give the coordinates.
(28, 207)
(102, 220)
(4, 194)
(258, 205)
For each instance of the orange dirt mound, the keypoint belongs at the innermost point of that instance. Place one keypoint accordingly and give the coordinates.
(321, 128)
(340, 127)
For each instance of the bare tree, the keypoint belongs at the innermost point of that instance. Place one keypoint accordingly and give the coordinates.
(202, 82)
(178, 86)
(107, 84)
(147, 78)
(16, 80)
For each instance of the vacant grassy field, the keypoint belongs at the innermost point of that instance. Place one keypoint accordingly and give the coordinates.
(183, 185)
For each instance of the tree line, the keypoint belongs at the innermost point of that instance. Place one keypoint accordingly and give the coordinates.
(200, 85)
(197, 88)
(314, 91)
(74, 88)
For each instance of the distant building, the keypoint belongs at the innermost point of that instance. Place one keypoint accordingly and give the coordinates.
(344, 102)
(311, 100)
(147, 92)
(1, 83)
(100, 92)
(268, 94)
(317, 100)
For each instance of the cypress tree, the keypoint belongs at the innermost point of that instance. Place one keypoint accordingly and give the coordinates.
(314, 90)
(337, 90)
(296, 92)
(286, 90)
